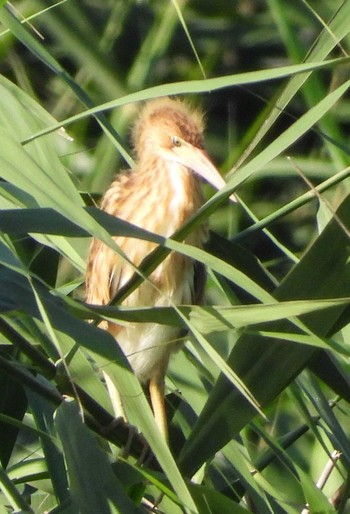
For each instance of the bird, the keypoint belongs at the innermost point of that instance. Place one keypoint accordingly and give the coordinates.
(160, 192)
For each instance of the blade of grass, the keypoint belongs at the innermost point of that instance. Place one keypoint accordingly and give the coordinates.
(15, 499)
(337, 29)
(177, 6)
(42, 54)
(93, 484)
(196, 86)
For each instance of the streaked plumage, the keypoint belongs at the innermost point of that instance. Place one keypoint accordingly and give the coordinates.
(159, 194)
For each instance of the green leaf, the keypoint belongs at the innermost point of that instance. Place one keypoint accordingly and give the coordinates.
(196, 86)
(210, 501)
(43, 414)
(316, 500)
(12, 495)
(216, 318)
(93, 485)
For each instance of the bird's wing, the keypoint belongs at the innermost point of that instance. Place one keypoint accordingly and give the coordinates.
(107, 271)
(105, 266)
(100, 270)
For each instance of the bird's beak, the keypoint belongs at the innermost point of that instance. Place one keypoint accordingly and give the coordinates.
(197, 160)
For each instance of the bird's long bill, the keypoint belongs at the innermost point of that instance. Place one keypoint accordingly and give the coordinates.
(198, 161)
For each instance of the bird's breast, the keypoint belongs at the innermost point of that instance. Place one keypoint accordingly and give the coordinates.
(161, 206)
(182, 195)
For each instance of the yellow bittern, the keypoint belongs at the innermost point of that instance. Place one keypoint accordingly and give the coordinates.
(159, 194)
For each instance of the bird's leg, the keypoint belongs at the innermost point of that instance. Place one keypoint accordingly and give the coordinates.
(119, 414)
(156, 390)
(114, 394)
(116, 400)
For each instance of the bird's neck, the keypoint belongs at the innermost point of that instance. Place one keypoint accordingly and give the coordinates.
(176, 194)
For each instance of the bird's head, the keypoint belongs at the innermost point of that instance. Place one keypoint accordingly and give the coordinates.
(172, 131)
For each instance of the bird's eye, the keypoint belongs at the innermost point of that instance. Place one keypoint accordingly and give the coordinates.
(176, 141)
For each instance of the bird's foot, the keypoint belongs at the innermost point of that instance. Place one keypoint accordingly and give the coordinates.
(133, 438)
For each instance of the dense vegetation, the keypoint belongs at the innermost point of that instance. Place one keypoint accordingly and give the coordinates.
(259, 398)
